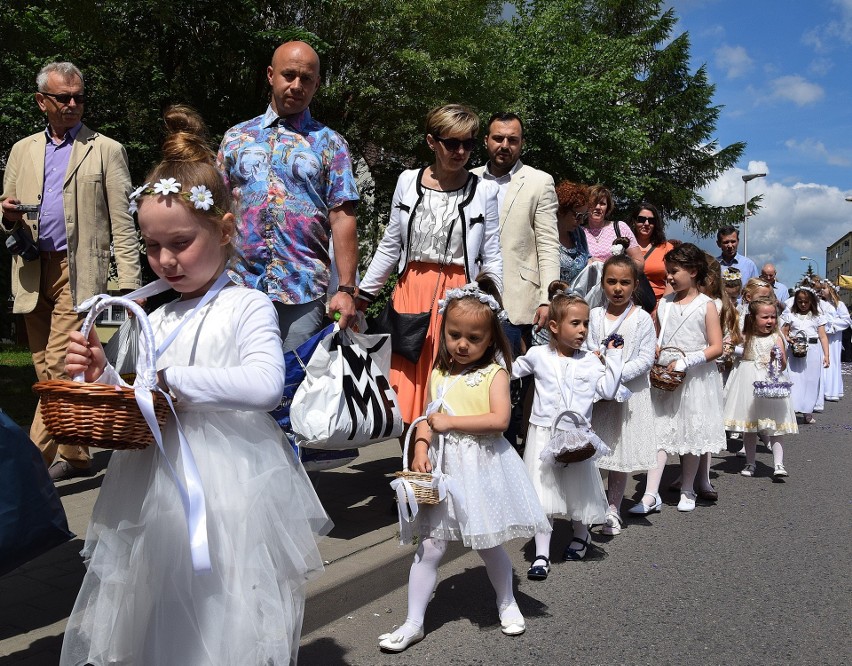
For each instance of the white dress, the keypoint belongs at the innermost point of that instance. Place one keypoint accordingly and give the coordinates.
(688, 420)
(497, 503)
(575, 491)
(627, 427)
(806, 372)
(831, 376)
(140, 602)
(744, 412)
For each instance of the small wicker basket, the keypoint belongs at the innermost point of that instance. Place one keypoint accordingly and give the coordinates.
(103, 415)
(576, 455)
(665, 379)
(422, 483)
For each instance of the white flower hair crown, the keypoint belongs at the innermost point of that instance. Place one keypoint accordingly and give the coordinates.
(472, 290)
(804, 287)
(198, 195)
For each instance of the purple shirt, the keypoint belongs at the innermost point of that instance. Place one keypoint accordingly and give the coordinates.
(286, 175)
(51, 220)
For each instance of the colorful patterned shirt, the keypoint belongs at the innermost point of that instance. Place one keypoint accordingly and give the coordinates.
(286, 174)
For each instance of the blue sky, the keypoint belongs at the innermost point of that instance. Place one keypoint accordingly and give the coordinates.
(782, 73)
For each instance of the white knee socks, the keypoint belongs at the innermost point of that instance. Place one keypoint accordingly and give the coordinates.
(422, 581)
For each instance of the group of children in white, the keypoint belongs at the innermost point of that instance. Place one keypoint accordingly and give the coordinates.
(142, 600)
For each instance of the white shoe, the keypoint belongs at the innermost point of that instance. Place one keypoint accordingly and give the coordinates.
(749, 470)
(780, 471)
(687, 502)
(398, 641)
(515, 625)
(641, 509)
(613, 523)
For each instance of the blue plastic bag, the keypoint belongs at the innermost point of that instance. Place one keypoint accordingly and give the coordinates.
(295, 362)
(32, 520)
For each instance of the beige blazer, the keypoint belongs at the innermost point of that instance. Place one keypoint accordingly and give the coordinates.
(529, 240)
(95, 196)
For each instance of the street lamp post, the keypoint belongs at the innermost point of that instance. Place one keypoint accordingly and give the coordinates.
(809, 259)
(747, 177)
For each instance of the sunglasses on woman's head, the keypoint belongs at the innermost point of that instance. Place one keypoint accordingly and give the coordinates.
(454, 144)
(641, 219)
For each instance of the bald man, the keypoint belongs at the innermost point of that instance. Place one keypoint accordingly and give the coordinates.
(768, 273)
(296, 193)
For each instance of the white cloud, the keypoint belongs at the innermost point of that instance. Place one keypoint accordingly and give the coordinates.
(824, 37)
(820, 66)
(795, 89)
(795, 220)
(817, 150)
(734, 59)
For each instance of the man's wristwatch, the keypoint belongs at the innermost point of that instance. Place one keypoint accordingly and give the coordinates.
(347, 289)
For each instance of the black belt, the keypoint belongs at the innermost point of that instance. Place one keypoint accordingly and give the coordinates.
(813, 341)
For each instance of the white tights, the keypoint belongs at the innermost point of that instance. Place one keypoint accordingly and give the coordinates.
(774, 442)
(424, 577)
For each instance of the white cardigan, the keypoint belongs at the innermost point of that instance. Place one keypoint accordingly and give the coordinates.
(480, 232)
(591, 377)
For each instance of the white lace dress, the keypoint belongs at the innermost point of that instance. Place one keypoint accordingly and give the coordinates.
(688, 420)
(497, 502)
(627, 427)
(743, 411)
(140, 601)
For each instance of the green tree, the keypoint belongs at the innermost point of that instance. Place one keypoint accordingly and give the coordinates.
(609, 98)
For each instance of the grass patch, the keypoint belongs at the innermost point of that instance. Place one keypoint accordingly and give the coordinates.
(17, 377)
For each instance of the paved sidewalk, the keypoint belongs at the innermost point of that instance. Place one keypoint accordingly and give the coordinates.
(36, 599)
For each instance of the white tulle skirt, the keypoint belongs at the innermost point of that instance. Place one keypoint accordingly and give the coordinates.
(575, 491)
(497, 503)
(141, 603)
(628, 428)
(746, 413)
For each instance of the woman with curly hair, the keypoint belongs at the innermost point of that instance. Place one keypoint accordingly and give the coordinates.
(573, 209)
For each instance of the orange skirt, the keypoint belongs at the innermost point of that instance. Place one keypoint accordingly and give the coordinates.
(413, 294)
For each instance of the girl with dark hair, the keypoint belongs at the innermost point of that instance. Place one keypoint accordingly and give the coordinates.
(806, 321)
(687, 420)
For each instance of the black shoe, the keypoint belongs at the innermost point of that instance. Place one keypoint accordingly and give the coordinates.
(539, 572)
(62, 470)
(576, 553)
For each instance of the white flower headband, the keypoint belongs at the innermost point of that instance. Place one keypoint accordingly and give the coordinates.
(732, 275)
(804, 287)
(833, 286)
(199, 196)
(472, 290)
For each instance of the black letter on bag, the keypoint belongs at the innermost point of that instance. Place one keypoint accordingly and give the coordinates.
(372, 394)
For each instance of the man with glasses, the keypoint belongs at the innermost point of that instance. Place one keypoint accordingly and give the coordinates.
(296, 193)
(769, 274)
(528, 235)
(65, 200)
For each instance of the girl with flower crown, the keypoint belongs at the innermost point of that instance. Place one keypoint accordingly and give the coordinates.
(757, 393)
(490, 499)
(231, 588)
(567, 378)
(805, 323)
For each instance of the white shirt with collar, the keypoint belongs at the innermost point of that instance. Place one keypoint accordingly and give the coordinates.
(502, 182)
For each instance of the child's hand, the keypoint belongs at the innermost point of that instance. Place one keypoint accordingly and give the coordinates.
(84, 356)
(440, 422)
(421, 462)
(825, 362)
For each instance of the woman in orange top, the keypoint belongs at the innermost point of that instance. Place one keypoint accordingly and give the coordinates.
(647, 226)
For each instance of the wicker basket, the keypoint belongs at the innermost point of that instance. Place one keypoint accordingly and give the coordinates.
(799, 345)
(103, 415)
(665, 379)
(422, 483)
(576, 455)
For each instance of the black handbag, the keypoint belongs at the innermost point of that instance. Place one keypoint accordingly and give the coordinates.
(407, 331)
(644, 292)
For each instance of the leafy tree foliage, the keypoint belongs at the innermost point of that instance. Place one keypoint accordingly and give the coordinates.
(604, 86)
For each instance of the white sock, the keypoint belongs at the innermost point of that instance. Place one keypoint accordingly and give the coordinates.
(542, 544)
(777, 450)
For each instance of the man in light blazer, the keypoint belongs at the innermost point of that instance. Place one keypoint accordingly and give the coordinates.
(79, 180)
(528, 235)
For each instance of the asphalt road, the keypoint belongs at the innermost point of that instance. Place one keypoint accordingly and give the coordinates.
(761, 577)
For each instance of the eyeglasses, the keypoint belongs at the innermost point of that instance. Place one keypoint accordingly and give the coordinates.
(641, 219)
(454, 144)
(565, 209)
(64, 98)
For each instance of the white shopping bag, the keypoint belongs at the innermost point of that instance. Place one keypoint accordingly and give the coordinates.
(345, 400)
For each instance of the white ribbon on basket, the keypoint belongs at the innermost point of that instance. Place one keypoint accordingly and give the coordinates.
(444, 483)
(190, 489)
